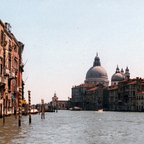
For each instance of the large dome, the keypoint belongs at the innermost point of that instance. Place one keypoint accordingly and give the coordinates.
(97, 74)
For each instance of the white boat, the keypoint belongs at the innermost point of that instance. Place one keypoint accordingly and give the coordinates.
(34, 111)
(100, 110)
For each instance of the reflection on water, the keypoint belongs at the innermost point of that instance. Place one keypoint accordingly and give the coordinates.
(75, 127)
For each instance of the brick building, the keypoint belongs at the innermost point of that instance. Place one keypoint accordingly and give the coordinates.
(11, 68)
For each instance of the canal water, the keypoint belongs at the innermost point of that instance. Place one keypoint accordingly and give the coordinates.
(75, 127)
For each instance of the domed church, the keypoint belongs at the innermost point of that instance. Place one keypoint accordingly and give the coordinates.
(97, 74)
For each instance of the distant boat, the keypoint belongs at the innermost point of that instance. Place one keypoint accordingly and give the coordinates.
(76, 109)
(100, 110)
(34, 111)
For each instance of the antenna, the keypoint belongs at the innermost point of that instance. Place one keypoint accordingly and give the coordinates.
(25, 79)
(9, 27)
(25, 62)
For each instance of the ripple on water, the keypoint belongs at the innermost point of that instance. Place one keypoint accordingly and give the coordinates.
(75, 127)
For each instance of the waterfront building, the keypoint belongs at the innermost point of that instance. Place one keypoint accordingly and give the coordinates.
(113, 98)
(79, 94)
(11, 68)
(124, 97)
(97, 98)
(140, 101)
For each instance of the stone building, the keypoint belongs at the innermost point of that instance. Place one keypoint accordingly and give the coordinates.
(58, 104)
(113, 98)
(11, 68)
(97, 98)
(79, 94)
(140, 101)
(127, 95)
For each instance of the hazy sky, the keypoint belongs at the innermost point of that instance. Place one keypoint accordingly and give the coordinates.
(62, 37)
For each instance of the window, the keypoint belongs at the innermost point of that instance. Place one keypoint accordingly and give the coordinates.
(9, 43)
(15, 63)
(4, 58)
(0, 68)
(9, 64)
(9, 84)
(2, 37)
(15, 48)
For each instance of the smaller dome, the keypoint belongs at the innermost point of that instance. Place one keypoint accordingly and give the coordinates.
(117, 77)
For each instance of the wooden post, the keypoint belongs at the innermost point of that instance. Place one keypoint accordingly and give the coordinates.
(39, 108)
(29, 99)
(20, 105)
(56, 106)
(3, 110)
(43, 112)
(15, 109)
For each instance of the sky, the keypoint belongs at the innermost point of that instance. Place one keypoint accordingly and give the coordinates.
(62, 37)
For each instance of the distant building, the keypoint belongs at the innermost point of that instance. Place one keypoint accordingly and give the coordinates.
(58, 104)
(140, 101)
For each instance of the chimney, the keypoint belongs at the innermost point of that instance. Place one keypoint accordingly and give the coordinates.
(6, 26)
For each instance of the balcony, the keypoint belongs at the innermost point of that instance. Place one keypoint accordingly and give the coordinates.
(2, 80)
(10, 48)
(22, 66)
(6, 72)
(4, 43)
(12, 75)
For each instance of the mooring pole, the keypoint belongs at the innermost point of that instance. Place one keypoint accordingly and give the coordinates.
(42, 113)
(20, 105)
(3, 110)
(29, 99)
(15, 109)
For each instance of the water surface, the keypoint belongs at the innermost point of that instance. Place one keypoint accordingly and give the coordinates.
(75, 127)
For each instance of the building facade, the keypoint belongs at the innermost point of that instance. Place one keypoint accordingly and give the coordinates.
(11, 68)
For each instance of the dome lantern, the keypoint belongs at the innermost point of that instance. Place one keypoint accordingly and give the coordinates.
(97, 61)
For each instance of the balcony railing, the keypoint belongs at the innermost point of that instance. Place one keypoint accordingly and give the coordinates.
(12, 75)
(6, 72)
